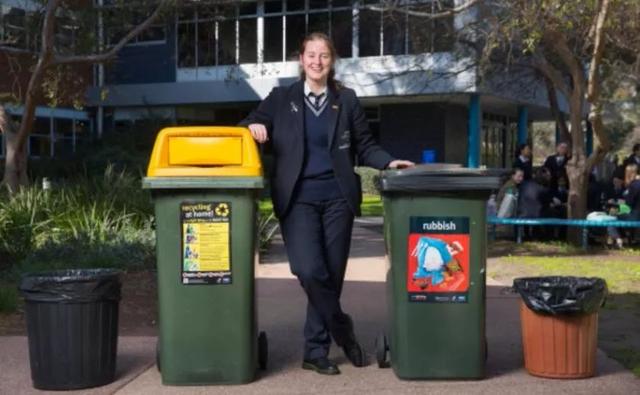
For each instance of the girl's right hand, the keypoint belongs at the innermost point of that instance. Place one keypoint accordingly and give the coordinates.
(259, 132)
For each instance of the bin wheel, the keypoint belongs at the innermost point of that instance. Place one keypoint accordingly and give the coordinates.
(382, 351)
(263, 350)
(158, 357)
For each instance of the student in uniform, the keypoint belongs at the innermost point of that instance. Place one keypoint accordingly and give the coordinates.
(317, 128)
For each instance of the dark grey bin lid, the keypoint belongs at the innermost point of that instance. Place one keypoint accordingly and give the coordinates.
(440, 177)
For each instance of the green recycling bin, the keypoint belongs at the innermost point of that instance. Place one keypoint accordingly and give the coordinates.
(205, 183)
(435, 235)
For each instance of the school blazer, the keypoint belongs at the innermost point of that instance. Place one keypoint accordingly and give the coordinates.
(282, 112)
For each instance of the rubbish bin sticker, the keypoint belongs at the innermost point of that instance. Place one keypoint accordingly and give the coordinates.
(206, 255)
(438, 260)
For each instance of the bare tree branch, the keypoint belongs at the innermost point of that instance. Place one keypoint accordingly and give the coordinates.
(44, 59)
(102, 57)
(541, 64)
(558, 43)
(593, 89)
(594, 86)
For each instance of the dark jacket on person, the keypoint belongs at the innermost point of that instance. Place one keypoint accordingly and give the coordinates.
(632, 198)
(282, 112)
(631, 160)
(556, 169)
(533, 200)
(527, 167)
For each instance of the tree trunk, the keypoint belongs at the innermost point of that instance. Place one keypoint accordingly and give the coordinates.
(576, 167)
(15, 169)
(565, 136)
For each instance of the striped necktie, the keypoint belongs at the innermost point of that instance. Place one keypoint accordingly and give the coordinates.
(316, 100)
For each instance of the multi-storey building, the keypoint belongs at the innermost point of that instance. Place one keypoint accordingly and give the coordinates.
(211, 64)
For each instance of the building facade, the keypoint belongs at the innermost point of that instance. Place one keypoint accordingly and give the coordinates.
(211, 64)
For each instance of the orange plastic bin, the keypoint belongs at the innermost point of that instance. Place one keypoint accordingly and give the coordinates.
(559, 318)
(559, 346)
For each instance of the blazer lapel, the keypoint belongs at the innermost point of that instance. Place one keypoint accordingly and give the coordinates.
(295, 107)
(334, 107)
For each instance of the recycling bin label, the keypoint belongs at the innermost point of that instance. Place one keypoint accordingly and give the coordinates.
(206, 240)
(438, 260)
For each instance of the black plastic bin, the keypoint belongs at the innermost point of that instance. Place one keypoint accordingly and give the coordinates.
(72, 323)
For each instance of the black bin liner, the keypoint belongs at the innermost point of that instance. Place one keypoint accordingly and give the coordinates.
(72, 324)
(562, 295)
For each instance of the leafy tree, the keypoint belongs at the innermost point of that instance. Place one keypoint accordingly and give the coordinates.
(59, 37)
(583, 48)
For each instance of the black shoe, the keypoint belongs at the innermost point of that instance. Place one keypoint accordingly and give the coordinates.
(321, 365)
(355, 354)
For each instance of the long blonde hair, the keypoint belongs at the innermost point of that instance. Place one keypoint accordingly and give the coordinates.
(331, 80)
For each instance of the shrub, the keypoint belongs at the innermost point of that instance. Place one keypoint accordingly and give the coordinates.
(83, 219)
(369, 178)
(267, 227)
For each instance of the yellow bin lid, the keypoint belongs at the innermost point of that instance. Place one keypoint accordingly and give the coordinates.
(204, 151)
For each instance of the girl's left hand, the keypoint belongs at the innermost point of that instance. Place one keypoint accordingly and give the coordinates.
(400, 164)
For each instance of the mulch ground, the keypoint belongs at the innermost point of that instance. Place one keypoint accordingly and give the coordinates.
(138, 308)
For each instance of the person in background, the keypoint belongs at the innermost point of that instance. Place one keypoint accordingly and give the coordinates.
(510, 191)
(631, 198)
(557, 163)
(614, 191)
(535, 199)
(632, 193)
(634, 158)
(523, 160)
(317, 129)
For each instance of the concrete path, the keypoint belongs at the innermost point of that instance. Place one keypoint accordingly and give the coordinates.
(281, 314)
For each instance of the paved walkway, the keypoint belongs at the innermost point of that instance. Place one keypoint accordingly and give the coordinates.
(281, 313)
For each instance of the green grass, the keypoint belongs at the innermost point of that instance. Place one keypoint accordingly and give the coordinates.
(265, 207)
(621, 275)
(621, 270)
(371, 206)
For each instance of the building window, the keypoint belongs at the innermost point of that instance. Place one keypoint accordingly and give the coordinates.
(342, 31)
(232, 30)
(394, 29)
(295, 32)
(403, 32)
(498, 140)
(248, 38)
(13, 28)
(369, 32)
(40, 138)
(272, 51)
(121, 21)
(226, 42)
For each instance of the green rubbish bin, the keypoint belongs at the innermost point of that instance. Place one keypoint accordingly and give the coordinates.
(205, 183)
(435, 236)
